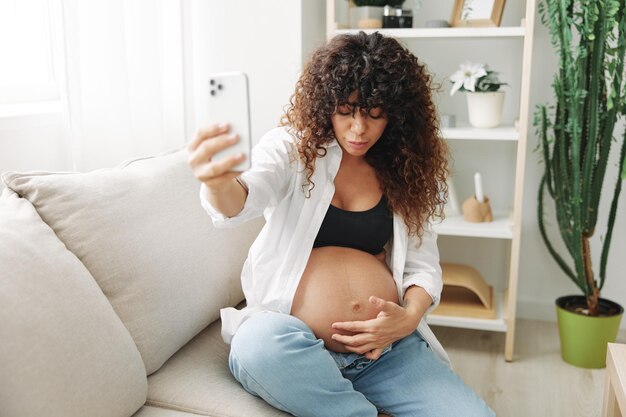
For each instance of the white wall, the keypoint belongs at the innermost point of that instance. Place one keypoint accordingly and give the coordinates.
(269, 44)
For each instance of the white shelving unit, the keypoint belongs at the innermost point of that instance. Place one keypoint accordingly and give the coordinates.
(484, 32)
(506, 225)
(472, 133)
(500, 228)
(499, 324)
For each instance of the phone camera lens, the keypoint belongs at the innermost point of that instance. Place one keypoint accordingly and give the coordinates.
(212, 92)
(219, 86)
(212, 82)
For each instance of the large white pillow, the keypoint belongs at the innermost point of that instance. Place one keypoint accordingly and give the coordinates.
(63, 350)
(141, 232)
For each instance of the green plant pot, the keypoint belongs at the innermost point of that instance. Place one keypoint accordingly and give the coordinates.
(584, 338)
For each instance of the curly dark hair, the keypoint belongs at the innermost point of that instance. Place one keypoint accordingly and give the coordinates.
(410, 158)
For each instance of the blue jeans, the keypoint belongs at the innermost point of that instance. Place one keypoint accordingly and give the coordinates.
(278, 358)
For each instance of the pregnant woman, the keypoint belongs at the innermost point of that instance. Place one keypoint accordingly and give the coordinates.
(339, 280)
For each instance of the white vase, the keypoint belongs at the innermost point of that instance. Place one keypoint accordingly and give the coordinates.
(366, 17)
(485, 109)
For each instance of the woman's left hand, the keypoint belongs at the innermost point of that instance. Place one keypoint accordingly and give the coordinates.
(392, 323)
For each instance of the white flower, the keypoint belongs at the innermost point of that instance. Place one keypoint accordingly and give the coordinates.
(466, 77)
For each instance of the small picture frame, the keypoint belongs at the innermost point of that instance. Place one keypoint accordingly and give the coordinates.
(477, 13)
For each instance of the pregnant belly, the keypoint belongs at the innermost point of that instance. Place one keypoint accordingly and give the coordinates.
(336, 286)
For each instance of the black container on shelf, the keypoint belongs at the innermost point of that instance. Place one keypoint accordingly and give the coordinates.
(406, 20)
(397, 18)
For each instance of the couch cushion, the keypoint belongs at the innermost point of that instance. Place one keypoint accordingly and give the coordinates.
(63, 350)
(197, 380)
(139, 229)
(147, 411)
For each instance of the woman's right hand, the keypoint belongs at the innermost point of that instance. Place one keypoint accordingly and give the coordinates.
(216, 174)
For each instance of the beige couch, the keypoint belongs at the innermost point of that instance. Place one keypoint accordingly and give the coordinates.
(111, 284)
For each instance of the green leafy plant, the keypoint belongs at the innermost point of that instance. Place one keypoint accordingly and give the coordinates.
(577, 134)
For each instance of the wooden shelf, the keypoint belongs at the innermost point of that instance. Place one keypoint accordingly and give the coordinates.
(500, 228)
(482, 32)
(499, 324)
(504, 133)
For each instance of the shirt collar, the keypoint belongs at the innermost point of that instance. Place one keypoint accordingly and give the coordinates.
(333, 144)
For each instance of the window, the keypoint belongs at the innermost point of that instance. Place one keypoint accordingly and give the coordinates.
(26, 45)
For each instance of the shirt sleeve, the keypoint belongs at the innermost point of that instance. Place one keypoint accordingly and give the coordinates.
(422, 266)
(268, 179)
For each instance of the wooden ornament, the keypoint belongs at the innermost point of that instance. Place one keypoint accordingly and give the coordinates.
(465, 293)
(476, 212)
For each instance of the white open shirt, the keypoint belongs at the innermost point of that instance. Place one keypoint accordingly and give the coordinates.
(279, 255)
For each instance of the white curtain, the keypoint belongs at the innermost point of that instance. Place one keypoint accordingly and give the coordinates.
(122, 78)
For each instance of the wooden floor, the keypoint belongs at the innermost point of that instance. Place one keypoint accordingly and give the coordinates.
(537, 382)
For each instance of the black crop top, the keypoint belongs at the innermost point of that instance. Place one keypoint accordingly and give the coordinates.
(367, 230)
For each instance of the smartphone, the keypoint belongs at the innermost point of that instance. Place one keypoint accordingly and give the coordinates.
(228, 102)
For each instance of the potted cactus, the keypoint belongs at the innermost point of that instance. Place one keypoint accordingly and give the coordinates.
(578, 139)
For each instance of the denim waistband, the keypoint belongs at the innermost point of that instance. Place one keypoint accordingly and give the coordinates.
(345, 360)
